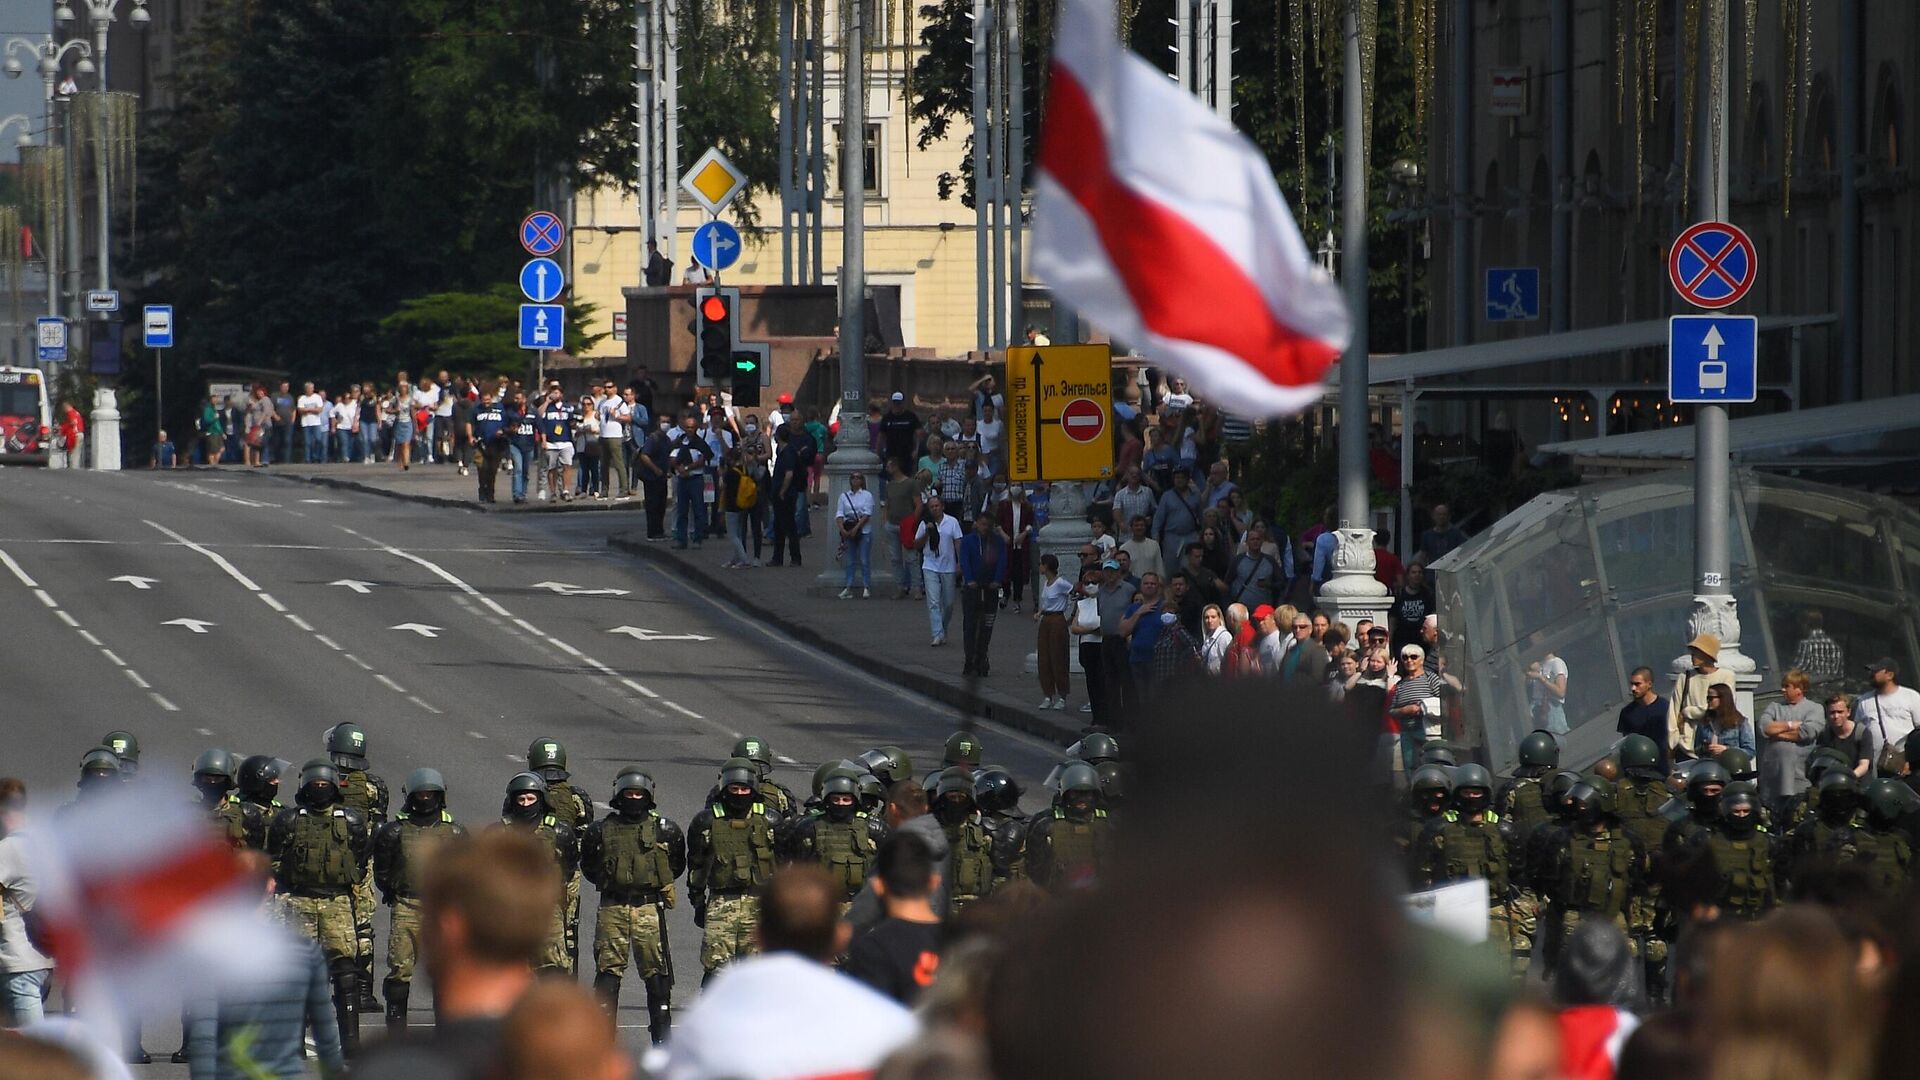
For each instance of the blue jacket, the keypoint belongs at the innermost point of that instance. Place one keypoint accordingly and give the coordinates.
(259, 1032)
(971, 557)
(1740, 737)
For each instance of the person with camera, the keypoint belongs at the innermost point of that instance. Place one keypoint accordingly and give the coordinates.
(937, 538)
(855, 515)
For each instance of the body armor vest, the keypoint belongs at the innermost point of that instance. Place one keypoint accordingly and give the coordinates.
(1745, 870)
(1469, 849)
(320, 851)
(1888, 859)
(845, 850)
(566, 803)
(1078, 847)
(970, 869)
(1596, 873)
(1526, 805)
(419, 838)
(358, 793)
(632, 857)
(1639, 811)
(742, 850)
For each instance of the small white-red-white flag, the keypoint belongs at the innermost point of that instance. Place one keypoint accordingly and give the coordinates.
(1158, 221)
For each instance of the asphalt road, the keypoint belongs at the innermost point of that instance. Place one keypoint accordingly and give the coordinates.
(232, 610)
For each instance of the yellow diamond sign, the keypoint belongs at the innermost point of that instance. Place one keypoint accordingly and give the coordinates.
(713, 181)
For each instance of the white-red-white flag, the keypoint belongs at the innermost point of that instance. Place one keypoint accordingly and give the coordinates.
(142, 901)
(1158, 221)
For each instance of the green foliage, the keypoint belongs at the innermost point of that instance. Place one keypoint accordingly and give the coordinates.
(729, 87)
(473, 332)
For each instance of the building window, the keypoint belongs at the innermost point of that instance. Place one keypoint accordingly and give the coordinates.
(870, 160)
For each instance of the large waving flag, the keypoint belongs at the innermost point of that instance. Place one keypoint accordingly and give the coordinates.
(1158, 221)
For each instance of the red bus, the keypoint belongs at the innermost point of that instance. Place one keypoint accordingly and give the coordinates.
(26, 417)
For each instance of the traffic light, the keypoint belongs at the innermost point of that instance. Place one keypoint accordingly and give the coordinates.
(716, 338)
(746, 376)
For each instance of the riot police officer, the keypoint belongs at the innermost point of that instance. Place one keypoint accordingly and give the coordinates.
(773, 794)
(401, 849)
(730, 855)
(1594, 870)
(1639, 798)
(997, 794)
(1885, 847)
(1070, 845)
(525, 807)
(963, 751)
(1095, 748)
(1829, 837)
(242, 823)
(547, 759)
(1706, 782)
(1801, 807)
(969, 871)
(1469, 840)
(126, 748)
(842, 838)
(633, 855)
(99, 773)
(1429, 790)
(259, 782)
(1742, 854)
(1522, 803)
(319, 848)
(362, 791)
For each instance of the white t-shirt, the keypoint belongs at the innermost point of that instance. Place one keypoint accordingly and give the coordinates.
(990, 432)
(1898, 712)
(856, 504)
(445, 407)
(612, 428)
(1106, 543)
(312, 409)
(1086, 612)
(783, 1017)
(1177, 402)
(946, 560)
(774, 419)
(426, 396)
(346, 415)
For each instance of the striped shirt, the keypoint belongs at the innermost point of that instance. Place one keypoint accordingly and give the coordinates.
(1416, 690)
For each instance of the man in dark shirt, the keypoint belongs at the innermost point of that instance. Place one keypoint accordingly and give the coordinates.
(788, 481)
(484, 916)
(899, 427)
(1411, 606)
(1646, 713)
(900, 955)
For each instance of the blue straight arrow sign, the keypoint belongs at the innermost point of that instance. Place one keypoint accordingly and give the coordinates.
(541, 280)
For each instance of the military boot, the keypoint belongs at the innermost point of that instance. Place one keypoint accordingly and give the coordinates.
(368, 1004)
(659, 1008)
(606, 987)
(396, 993)
(346, 1005)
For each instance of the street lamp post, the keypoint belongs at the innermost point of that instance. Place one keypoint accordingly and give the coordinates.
(48, 55)
(106, 411)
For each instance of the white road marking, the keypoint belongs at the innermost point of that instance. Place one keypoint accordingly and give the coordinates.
(202, 731)
(416, 700)
(267, 599)
(66, 618)
(198, 626)
(387, 682)
(641, 633)
(364, 666)
(44, 598)
(328, 642)
(221, 495)
(301, 623)
(561, 588)
(17, 571)
(86, 635)
(137, 680)
(360, 587)
(138, 582)
(111, 655)
(476, 735)
(165, 704)
(419, 628)
(218, 559)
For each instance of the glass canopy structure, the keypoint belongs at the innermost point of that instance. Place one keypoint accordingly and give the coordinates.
(1600, 576)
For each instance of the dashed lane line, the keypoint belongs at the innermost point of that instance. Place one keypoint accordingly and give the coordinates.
(87, 636)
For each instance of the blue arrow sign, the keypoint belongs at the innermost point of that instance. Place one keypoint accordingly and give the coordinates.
(541, 280)
(716, 245)
(542, 326)
(1713, 359)
(1513, 294)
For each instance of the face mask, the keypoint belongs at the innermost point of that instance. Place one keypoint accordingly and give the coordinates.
(951, 811)
(1742, 824)
(1836, 809)
(737, 803)
(633, 807)
(1472, 802)
(840, 813)
(1078, 806)
(317, 796)
(424, 803)
(1586, 813)
(211, 788)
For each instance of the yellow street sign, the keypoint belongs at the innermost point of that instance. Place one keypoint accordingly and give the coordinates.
(713, 181)
(1059, 412)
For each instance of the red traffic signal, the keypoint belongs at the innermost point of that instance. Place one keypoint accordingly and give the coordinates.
(714, 309)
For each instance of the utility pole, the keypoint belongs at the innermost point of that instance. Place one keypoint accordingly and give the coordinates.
(643, 93)
(1460, 250)
(1715, 611)
(786, 141)
(850, 453)
(1013, 178)
(1560, 84)
(1847, 157)
(1351, 589)
(982, 138)
(817, 155)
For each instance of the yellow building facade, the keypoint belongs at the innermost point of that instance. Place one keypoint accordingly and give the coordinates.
(914, 239)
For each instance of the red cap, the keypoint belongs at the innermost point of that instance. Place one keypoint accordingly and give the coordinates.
(1263, 611)
(786, 399)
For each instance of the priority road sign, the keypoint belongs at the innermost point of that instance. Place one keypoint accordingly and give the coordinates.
(542, 233)
(1712, 359)
(541, 280)
(542, 326)
(716, 245)
(51, 334)
(1513, 293)
(1059, 408)
(157, 322)
(1712, 265)
(713, 181)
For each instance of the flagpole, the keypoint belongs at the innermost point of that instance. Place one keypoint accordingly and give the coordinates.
(1351, 589)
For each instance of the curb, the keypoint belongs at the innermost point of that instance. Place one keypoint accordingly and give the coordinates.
(474, 505)
(912, 679)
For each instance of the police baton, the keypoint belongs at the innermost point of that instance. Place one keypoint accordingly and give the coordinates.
(666, 940)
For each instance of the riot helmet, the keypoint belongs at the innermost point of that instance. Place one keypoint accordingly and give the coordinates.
(633, 793)
(1095, 748)
(425, 792)
(517, 805)
(889, 763)
(995, 790)
(319, 784)
(840, 796)
(1079, 793)
(125, 747)
(548, 758)
(963, 748)
(347, 746)
(757, 751)
(1540, 750)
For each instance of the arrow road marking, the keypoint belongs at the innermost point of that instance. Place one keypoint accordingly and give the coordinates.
(563, 589)
(419, 628)
(1713, 341)
(198, 626)
(639, 633)
(138, 582)
(360, 587)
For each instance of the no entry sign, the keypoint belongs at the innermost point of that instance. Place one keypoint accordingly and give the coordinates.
(1083, 420)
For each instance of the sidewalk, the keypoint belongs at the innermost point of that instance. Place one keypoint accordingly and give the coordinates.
(885, 636)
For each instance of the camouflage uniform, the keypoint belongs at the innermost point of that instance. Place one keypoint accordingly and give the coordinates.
(401, 849)
(1455, 847)
(634, 862)
(363, 792)
(729, 857)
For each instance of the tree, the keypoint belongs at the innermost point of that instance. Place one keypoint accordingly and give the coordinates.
(472, 332)
(729, 89)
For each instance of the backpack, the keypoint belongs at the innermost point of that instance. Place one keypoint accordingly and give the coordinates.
(746, 494)
(803, 449)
